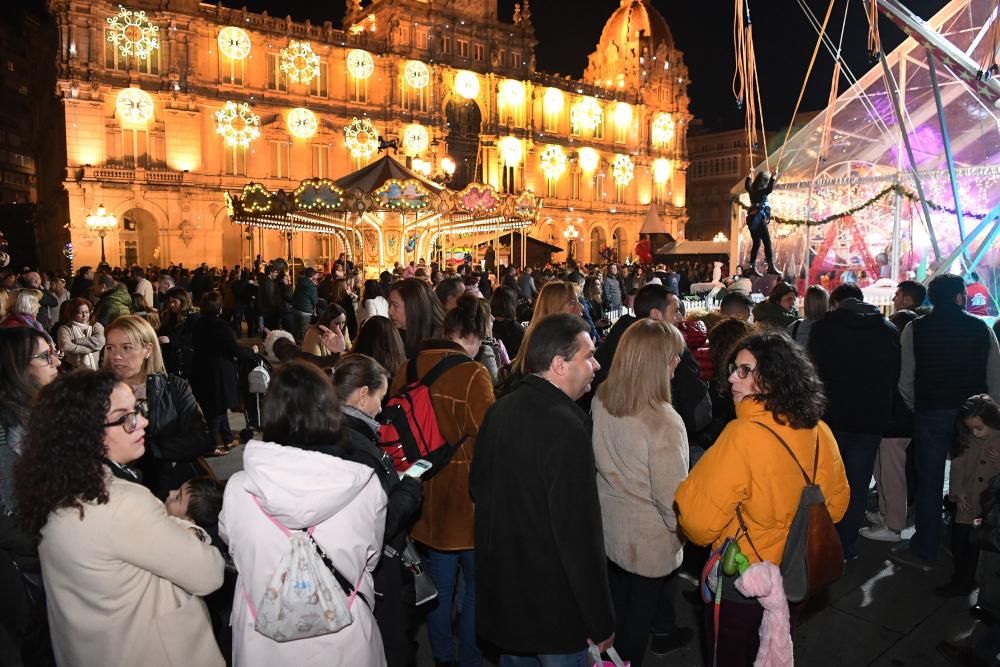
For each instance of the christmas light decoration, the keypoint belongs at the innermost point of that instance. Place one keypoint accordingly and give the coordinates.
(317, 194)
(511, 93)
(299, 62)
(301, 123)
(587, 114)
(361, 138)
(589, 159)
(256, 198)
(623, 114)
(553, 100)
(234, 43)
(663, 129)
(510, 151)
(132, 33)
(415, 139)
(661, 171)
(622, 169)
(237, 124)
(466, 84)
(134, 105)
(408, 194)
(360, 64)
(553, 162)
(416, 74)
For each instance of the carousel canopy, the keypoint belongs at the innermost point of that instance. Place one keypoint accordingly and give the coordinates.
(378, 173)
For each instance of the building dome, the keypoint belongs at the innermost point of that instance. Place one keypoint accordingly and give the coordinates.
(633, 17)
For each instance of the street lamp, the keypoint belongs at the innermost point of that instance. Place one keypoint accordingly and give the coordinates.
(102, 222)
(571, 235)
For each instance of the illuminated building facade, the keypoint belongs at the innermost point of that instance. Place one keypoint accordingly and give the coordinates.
(168, 104)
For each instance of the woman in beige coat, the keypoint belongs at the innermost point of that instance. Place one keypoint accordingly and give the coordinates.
(122, 577)
(641, 451)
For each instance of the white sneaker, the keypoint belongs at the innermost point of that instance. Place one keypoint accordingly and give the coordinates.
(880, 533)
(876, 518)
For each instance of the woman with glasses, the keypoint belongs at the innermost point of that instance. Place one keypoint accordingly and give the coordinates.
(122, 577)
(80, 341)
(332, 317)
(177, 433)
(747, 485)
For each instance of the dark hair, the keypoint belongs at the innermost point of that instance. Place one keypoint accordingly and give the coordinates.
(721, 340)
(329, 314)
(553, 336)
(105, 281)
(309, 272)
(449, 288)
(901, 318)
(944, 288)
(17, 386)
(138, 272)
(469, 317)
(914, 290)
(503, 303)
(789, 386)
(779, 291)
(62, 463)
(650, 298)
(211, 303)
(372, 290)
(380, 340)
(735, 302)
(423, 312)
(302, 407)
(204, 501)
(338, 290)
(846, 291)
(69, 309)
(982, 406)
(354, 371)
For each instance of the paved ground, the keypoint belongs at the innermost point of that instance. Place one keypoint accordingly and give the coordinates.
(877, 614)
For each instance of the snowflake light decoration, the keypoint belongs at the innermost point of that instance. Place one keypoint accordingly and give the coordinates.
(663, 129)
(553, 100)
(237, 124)
(512, 93)
(553, 162)
(415, 139)
(416, 74)
(299, 62)
(361, 138)
(132, 33)
(587, 114)
(589, 159)
(360, 64)
(622, 169)
(301, 123)
(234, 43)
(510, 151)
(134, 105)
(466, 84)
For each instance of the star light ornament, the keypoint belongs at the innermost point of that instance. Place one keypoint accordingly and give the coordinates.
(415, 139)
(553, 162)
(234, 43)
(587, 114)
(361, 138)
(301, 123)
(237, 124)
(299, 62)
(134, 106)
(416, 74)
(132, 33)
(360, 64)
(663, 129)
(622, 169)
(466, 84)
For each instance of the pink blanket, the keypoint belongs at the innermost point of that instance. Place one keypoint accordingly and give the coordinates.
(763, 581)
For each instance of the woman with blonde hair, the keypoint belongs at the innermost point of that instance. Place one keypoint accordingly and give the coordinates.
(641, 451)
(558, 296)
(177, 433)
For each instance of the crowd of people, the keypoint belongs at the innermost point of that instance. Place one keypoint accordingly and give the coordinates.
(588, 439)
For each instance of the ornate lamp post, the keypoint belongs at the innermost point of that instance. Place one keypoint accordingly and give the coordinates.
(571, 235)
(102, 222)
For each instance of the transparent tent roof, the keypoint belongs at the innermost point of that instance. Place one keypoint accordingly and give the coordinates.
(853, 151)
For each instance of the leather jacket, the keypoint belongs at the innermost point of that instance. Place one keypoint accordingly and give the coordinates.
(177, 430)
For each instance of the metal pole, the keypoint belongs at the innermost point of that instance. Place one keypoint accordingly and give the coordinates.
(897, 214)
(932, 68)
(990, 217)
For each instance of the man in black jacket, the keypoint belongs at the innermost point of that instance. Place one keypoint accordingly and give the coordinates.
(856, 352)
(541, 570)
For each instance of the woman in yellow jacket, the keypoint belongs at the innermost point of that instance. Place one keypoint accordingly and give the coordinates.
(774, 385)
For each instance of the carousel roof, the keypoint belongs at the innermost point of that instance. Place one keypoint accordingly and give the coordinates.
(370, 178)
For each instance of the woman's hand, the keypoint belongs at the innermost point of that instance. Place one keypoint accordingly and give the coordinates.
(964, 504)
(333, 339)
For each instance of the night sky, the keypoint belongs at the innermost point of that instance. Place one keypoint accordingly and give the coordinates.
(568, 30)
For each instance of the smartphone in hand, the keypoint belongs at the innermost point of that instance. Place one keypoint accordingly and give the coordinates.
(417, 469)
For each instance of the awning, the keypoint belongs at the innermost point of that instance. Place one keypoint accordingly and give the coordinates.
(695, 248)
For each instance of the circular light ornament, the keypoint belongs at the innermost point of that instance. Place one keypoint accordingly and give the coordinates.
(416, 74)
(134, 105)
(510, 151)
(234, 43)
(299, 62)
(301, 123)
(663, 129)
(466, 84)
(237, 124)
(512, 92)
(623, 114)
(587, 114)
(553, 162)
(661, 171)
(622, 169)
(361, 138)
(415, 139)
(553, 100)
(132, 33)
(589, 159)
(360, 64)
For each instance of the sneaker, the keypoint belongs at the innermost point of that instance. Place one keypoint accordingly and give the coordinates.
(664, 644)
(875, 518)
(909, 559)
(880, 533)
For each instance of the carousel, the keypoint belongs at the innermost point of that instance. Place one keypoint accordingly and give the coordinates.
(386, 213)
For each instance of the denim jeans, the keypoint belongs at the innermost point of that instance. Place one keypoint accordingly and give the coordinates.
(643, 606)
(858, 450)
(933, 436)
(443, 568)
(579, 659)
(300, 321)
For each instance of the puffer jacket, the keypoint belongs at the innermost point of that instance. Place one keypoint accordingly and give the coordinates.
(773, 315)
(748, 467)
(696, 337)
(113, 304)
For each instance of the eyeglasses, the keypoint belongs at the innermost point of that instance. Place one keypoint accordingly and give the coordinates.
(50, 356)
(130, 420)
(741, 370)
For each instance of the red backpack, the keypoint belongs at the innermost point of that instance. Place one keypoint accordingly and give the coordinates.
(409, 429)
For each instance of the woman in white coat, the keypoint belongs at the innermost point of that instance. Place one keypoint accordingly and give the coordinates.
(80, 341)
(294, 476)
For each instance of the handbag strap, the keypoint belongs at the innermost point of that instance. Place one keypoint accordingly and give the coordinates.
(792, 454)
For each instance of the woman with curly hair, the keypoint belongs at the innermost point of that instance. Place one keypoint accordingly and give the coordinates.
(113, 597)
(748, 478)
